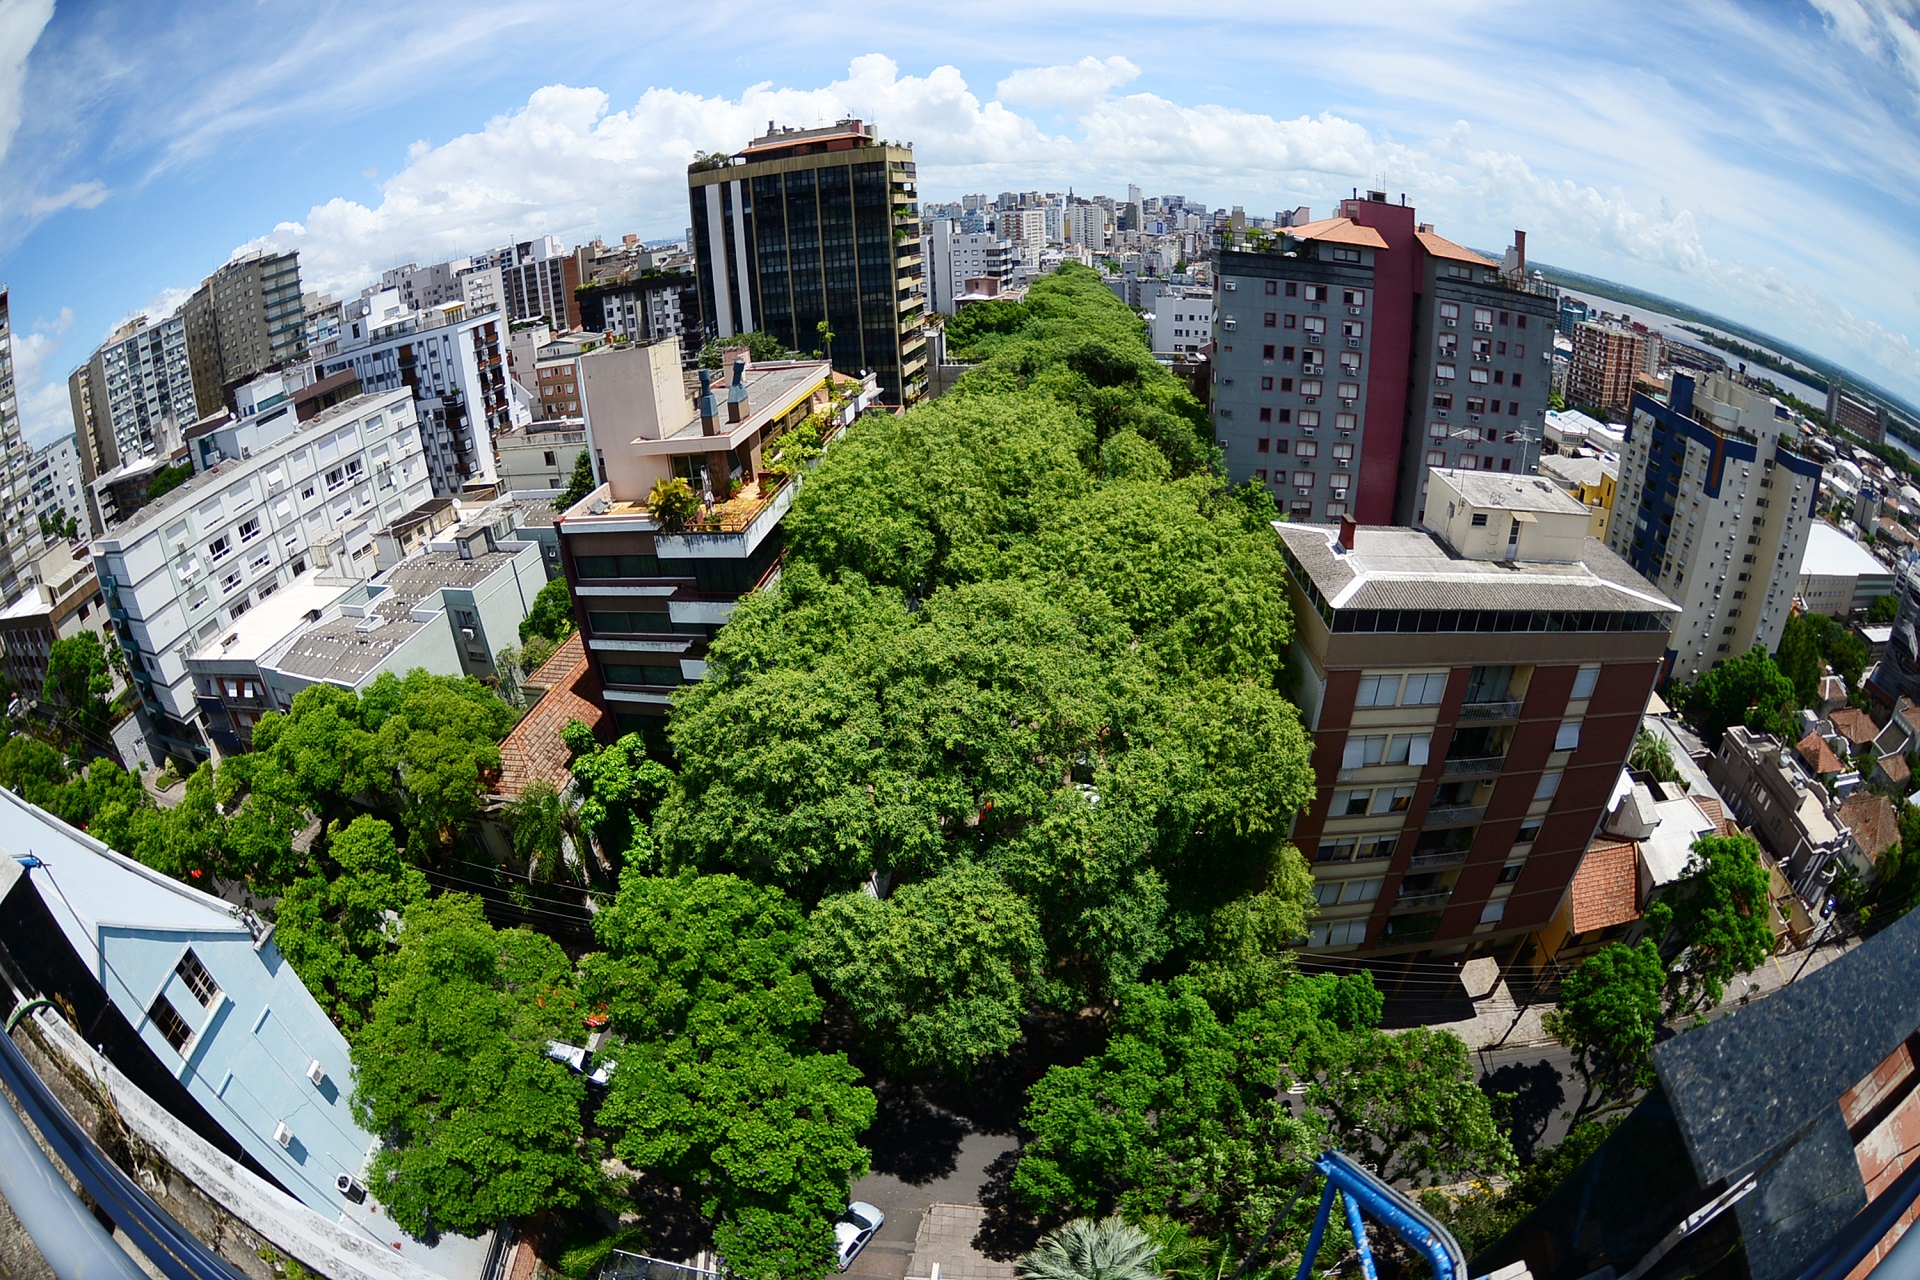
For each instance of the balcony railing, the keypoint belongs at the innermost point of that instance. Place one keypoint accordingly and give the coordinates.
(1453, 815)
(1456, 766)
(1408, 903)
(1504, 709)
(1436, 861)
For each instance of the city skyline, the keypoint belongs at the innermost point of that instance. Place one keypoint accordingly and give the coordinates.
(1618, 148)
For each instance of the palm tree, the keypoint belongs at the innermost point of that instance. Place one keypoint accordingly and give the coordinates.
(1110, 1249)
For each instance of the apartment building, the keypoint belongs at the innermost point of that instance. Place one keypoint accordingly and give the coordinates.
(56, 488)
(61, 600)
(285, 499)
(1770, 789)
(1593, 481)
(244, 319)
(1088, 225)
(433, 286)
(447, 609)
(1849, 412)
(1352, 353)
(1606, 359)
(133, 403)
(1473, 693)
(1181, 320)
(1714, 506)
(953, 257)
(648, 597)
(539, 456)
(643, 306)
(455, 366)
(814, 232)
(19, 533)
(544, 286)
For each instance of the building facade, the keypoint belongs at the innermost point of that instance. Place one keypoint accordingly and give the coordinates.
(1353, 353)
(1182, 320)
(544, 287)
(539, 457)
(953, 257)
(1606, 359)
(133, 403)
(1714, 506)
(648, 598)
(61, 601)
(190, 564)
(57, 489)
(643, 307)
(455, 366)
(19, 534)
(1473, 693)
(244, 319)
(815, 232)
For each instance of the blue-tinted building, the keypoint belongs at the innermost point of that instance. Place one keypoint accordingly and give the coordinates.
(1572, 312)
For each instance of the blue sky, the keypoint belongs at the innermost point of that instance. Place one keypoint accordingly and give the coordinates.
(1759, 161)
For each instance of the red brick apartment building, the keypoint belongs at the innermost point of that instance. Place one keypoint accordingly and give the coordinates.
(1473, 693)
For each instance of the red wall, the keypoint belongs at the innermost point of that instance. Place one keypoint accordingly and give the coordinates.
(1396, 280)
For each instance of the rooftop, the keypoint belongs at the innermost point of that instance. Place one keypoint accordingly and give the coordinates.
(1871, 819)
(1581, 471)
(1397, 568)
(1336, 231)
(1606, 889)
(1855, 726)
(1819, 756)
(268, 623)
(1831, 553)
(1503, 492)
(1440, 247)
(533, 752)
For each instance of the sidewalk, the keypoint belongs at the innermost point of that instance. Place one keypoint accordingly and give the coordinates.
(1500, 1020)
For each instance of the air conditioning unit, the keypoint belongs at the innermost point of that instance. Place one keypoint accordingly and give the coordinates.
(1443, 412)
(1347, 403)
(316, 1073)
(350, 1187)
(1303, 492)
(1229, 324)
(1313, 337)
(1473, 417)
(466, 633)
(1448, 321)
(1231, 285)
(282, 1134)
(1353, 311)
(1313, 399)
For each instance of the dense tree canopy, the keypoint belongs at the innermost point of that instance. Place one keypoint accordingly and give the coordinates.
(1609, 1011)
(334, 929)
(1722, 919)
(77, 684)
(1748, 690)
(478, 1125)
(551, 616)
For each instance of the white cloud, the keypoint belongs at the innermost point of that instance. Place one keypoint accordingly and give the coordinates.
(1880, 28)
(21, 22)
(45, 412)
(1067, 87)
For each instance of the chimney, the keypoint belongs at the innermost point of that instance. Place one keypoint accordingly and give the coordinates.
(1520, 248)
(737, 407)
(709, 410)
(1349, 530)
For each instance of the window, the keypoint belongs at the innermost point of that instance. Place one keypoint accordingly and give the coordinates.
(1310, 386)
(1286, 353)
(1273, 287)
(548, 456)
(1266, 384)
(633, 566)
(219, 547)
(1326, 892)
(1510, 872)
(1354, 297)
(1342, 452)
(1584, 680)
(1436, 457)
(1303, 479)
(1262, 445)
(1309, 418)
(168, 1022)
(1449, 311)
(1315, 324)
(1568, 738)
(1281, 446)
(1392, 800)
(1350, 804)
(1346, 255)
(1424, 689)
(1529, 831)
(1266, 413)
(1374, 848)
(626, 673)
(1499, 379)
(1362, 751)
(1353, 328)
(1266, 352)
(1361, 890)
(1349, 391)
(1337, 933)
(1549, 783)
(1445, 372)
(1377, 691)
(1491, 913)
(1483, 316)
(1340, 850)
(1293, 289)
(1479, 519)
(1307, 449)
(1516, 379)
(1272, 318)
(1316, 293)
(1443, 400)
(1477, 375)
(1291, 321)
(618, 621)
(195, 974)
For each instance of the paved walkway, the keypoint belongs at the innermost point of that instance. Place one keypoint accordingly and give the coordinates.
(946, 1241)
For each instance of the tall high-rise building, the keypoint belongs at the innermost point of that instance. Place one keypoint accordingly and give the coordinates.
(244, 319)
(1473, 693)
(1355, 352)
(133, 402)
(813, 235)
(19, 532)
(1714, 506)
(1606, 359)
(954, 257)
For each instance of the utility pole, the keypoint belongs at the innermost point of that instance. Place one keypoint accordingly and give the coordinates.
(1819, 935)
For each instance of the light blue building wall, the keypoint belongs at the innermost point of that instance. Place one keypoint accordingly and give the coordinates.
(208, 993)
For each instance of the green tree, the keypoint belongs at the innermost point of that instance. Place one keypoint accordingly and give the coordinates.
(1109, 1249)
(579, 484)
(619, 787)
(759, 345)
(673, 503)
(1608, 1013)
(477, 1124)
(716, 1091)
(1883, 610)
(1652, 754)
(1722, 919)
(77, 684)
(538, 819)
(937, 974)
(1556, 401)
(334, 929)
(1749, 689)
(551, 616)
(1798, 659)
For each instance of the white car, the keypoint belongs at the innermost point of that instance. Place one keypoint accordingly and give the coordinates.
(853, 1229)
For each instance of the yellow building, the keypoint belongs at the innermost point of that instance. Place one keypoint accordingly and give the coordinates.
(1591, 480)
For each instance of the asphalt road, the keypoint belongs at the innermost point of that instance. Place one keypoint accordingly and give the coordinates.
(1546, 1089)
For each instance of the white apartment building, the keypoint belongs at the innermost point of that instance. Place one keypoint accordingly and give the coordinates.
(53, 480)
(1182, 320)
(187, 566)
(1087, 225)
(1026, 231)
(1714, 506)
(954, 257)
(423, 287)
(134, 400)
(456, 366)
(19, 537)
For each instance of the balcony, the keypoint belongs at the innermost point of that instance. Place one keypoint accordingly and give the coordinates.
(1463, 766)
(1506, 709)
(1436, 861)
(1454, 815)
(1409, 903)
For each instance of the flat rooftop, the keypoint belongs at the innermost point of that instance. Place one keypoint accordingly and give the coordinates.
(271, 621)
(1504, 492)
(771, 389)
(1831, 553)
(344, 648)
(1397, 568)
(1588, 471)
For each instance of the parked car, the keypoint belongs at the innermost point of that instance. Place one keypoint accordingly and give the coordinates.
(854, 1228)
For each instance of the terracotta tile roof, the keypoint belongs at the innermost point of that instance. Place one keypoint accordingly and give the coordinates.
(1441, 247)
(1873, 822)
(1606, 888)
(1856, 727)
(534, 751)
(1715, 813)
(1819, 756)
(1337, 231)
(1896, 770)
